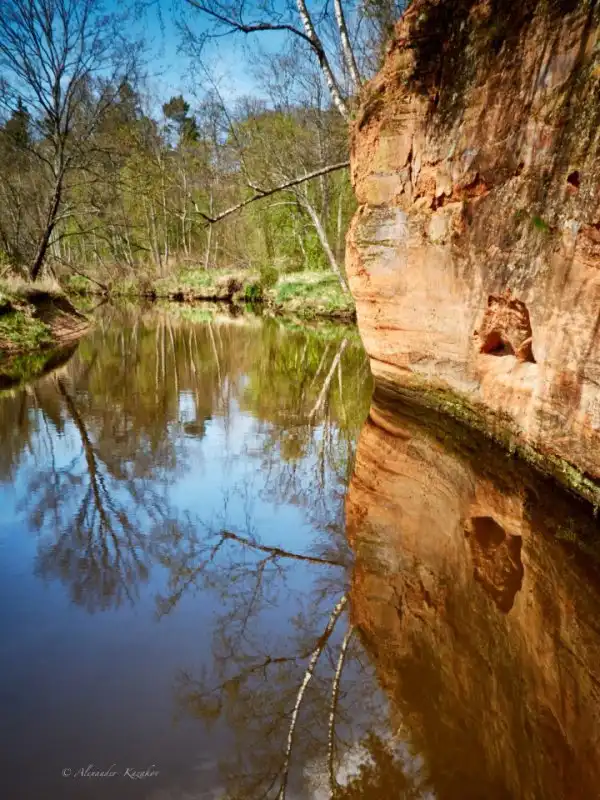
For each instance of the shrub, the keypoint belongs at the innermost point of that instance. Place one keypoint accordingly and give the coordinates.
(253, 293)
(78, 284)
(269, 276)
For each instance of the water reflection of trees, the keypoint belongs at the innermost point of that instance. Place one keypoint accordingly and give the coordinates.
(310, 419)
(96, 516)
(93, 448)
(303, 701)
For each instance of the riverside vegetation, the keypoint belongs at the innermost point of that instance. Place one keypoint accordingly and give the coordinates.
(38, 328)
(108, 188)
(112, 189)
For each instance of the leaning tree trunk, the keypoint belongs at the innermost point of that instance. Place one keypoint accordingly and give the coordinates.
(51, 218)
(315, 42)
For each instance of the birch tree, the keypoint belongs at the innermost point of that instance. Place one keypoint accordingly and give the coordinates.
(340, 41)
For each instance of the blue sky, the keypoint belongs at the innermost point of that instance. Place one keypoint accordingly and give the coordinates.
(171, 71)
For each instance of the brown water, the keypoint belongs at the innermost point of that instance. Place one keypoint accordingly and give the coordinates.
(218, 580)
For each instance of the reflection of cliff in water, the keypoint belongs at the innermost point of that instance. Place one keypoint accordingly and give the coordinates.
(477, 593)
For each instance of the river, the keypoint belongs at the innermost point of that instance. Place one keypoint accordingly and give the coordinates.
(221, 576)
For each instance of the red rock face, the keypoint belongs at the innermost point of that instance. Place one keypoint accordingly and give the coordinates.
(476, 164)
(476, 591)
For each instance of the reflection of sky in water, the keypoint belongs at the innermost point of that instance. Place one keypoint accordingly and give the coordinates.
(81, 688)
(191, 436)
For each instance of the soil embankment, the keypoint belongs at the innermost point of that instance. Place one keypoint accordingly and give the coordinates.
(39, 326)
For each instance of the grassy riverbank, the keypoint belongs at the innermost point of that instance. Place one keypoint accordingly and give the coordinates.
(36, 316)
(309, 295)
(39, 321)
(37, 324)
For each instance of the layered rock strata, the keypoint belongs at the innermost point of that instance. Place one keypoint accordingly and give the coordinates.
(474, 256)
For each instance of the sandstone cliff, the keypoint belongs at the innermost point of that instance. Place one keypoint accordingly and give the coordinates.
(474, 257)
(476, 590)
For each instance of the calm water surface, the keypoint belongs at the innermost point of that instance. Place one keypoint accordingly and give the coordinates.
(222, 577)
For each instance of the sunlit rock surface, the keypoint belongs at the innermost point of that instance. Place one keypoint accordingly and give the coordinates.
(474, 256)
(476, 591)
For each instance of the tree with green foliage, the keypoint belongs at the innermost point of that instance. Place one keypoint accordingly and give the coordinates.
(65, 62)
(95, 183)
(177, 111)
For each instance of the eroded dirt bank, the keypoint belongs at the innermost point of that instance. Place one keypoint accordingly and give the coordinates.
(33, 318)
(474, 257)
(39, 328)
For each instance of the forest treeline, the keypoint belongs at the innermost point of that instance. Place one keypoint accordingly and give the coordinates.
(102, 179)
(141, 200)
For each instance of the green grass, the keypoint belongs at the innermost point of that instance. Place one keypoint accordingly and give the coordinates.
(209, 283)
(78, 284)
(23, 332)
(328, 330)
(23, 365)
(190, 313)
(254, 292)
(84, 303)
(190, 279)
(540, 224)
(19, 369)
(128, 286)
(313, 294)
(306, 294)
(309, 294)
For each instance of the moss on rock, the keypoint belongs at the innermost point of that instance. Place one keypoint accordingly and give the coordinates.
(476, 419)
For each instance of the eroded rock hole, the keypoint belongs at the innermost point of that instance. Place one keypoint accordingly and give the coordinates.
(497, 564)
(573, 179)
(506, 329)
(496, 345)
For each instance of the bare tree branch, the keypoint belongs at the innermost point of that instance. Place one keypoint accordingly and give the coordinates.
(254, 27)
(278, 552)
(335, 691)
(261, 193)
(327, 382)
